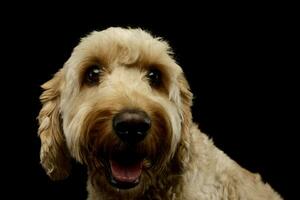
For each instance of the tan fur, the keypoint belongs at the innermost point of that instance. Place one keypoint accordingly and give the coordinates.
(54, 154)
(75, 121)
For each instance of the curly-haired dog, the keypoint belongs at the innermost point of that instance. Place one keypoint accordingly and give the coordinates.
(121, 106)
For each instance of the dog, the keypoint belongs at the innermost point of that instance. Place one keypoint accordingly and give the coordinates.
(121, 105)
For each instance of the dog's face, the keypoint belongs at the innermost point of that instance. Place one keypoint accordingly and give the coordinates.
(120, 105)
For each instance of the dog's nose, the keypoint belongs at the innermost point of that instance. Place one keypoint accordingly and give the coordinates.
(131, 125)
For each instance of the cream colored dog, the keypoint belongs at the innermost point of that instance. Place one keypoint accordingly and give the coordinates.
(121, 106)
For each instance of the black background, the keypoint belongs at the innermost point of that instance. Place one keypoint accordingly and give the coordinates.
(238, 61)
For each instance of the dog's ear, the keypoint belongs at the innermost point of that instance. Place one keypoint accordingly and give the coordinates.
(186, 97)
(54, 155)
(182, 156)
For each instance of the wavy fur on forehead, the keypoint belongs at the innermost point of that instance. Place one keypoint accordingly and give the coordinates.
(122, 46)
(127, 45)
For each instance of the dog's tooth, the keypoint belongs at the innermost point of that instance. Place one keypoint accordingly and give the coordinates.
(147, 163)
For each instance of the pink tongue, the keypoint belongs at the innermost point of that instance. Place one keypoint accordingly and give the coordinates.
(125, 173)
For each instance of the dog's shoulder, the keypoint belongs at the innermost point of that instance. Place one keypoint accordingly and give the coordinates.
(214, 175)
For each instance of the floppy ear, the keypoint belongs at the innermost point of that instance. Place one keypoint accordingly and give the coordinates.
(54, 155)
(186, 97)
(182, 154)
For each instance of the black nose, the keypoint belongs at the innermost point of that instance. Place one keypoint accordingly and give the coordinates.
(131, 125)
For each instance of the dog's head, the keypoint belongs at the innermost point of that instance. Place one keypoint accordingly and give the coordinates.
(120, 105)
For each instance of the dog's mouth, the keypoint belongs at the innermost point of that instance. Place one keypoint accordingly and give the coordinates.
(124, 169)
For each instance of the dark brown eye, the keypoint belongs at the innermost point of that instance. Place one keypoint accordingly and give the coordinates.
(92, 75)
(154, 77)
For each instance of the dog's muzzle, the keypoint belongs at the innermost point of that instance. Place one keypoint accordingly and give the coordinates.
(125, 165)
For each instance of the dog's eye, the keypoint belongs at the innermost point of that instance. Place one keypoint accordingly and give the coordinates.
(92, 75)
(154, 77)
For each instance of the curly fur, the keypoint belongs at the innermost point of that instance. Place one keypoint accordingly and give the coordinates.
(75, 123)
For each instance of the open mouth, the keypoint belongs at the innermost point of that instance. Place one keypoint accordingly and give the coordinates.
(124, 169)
